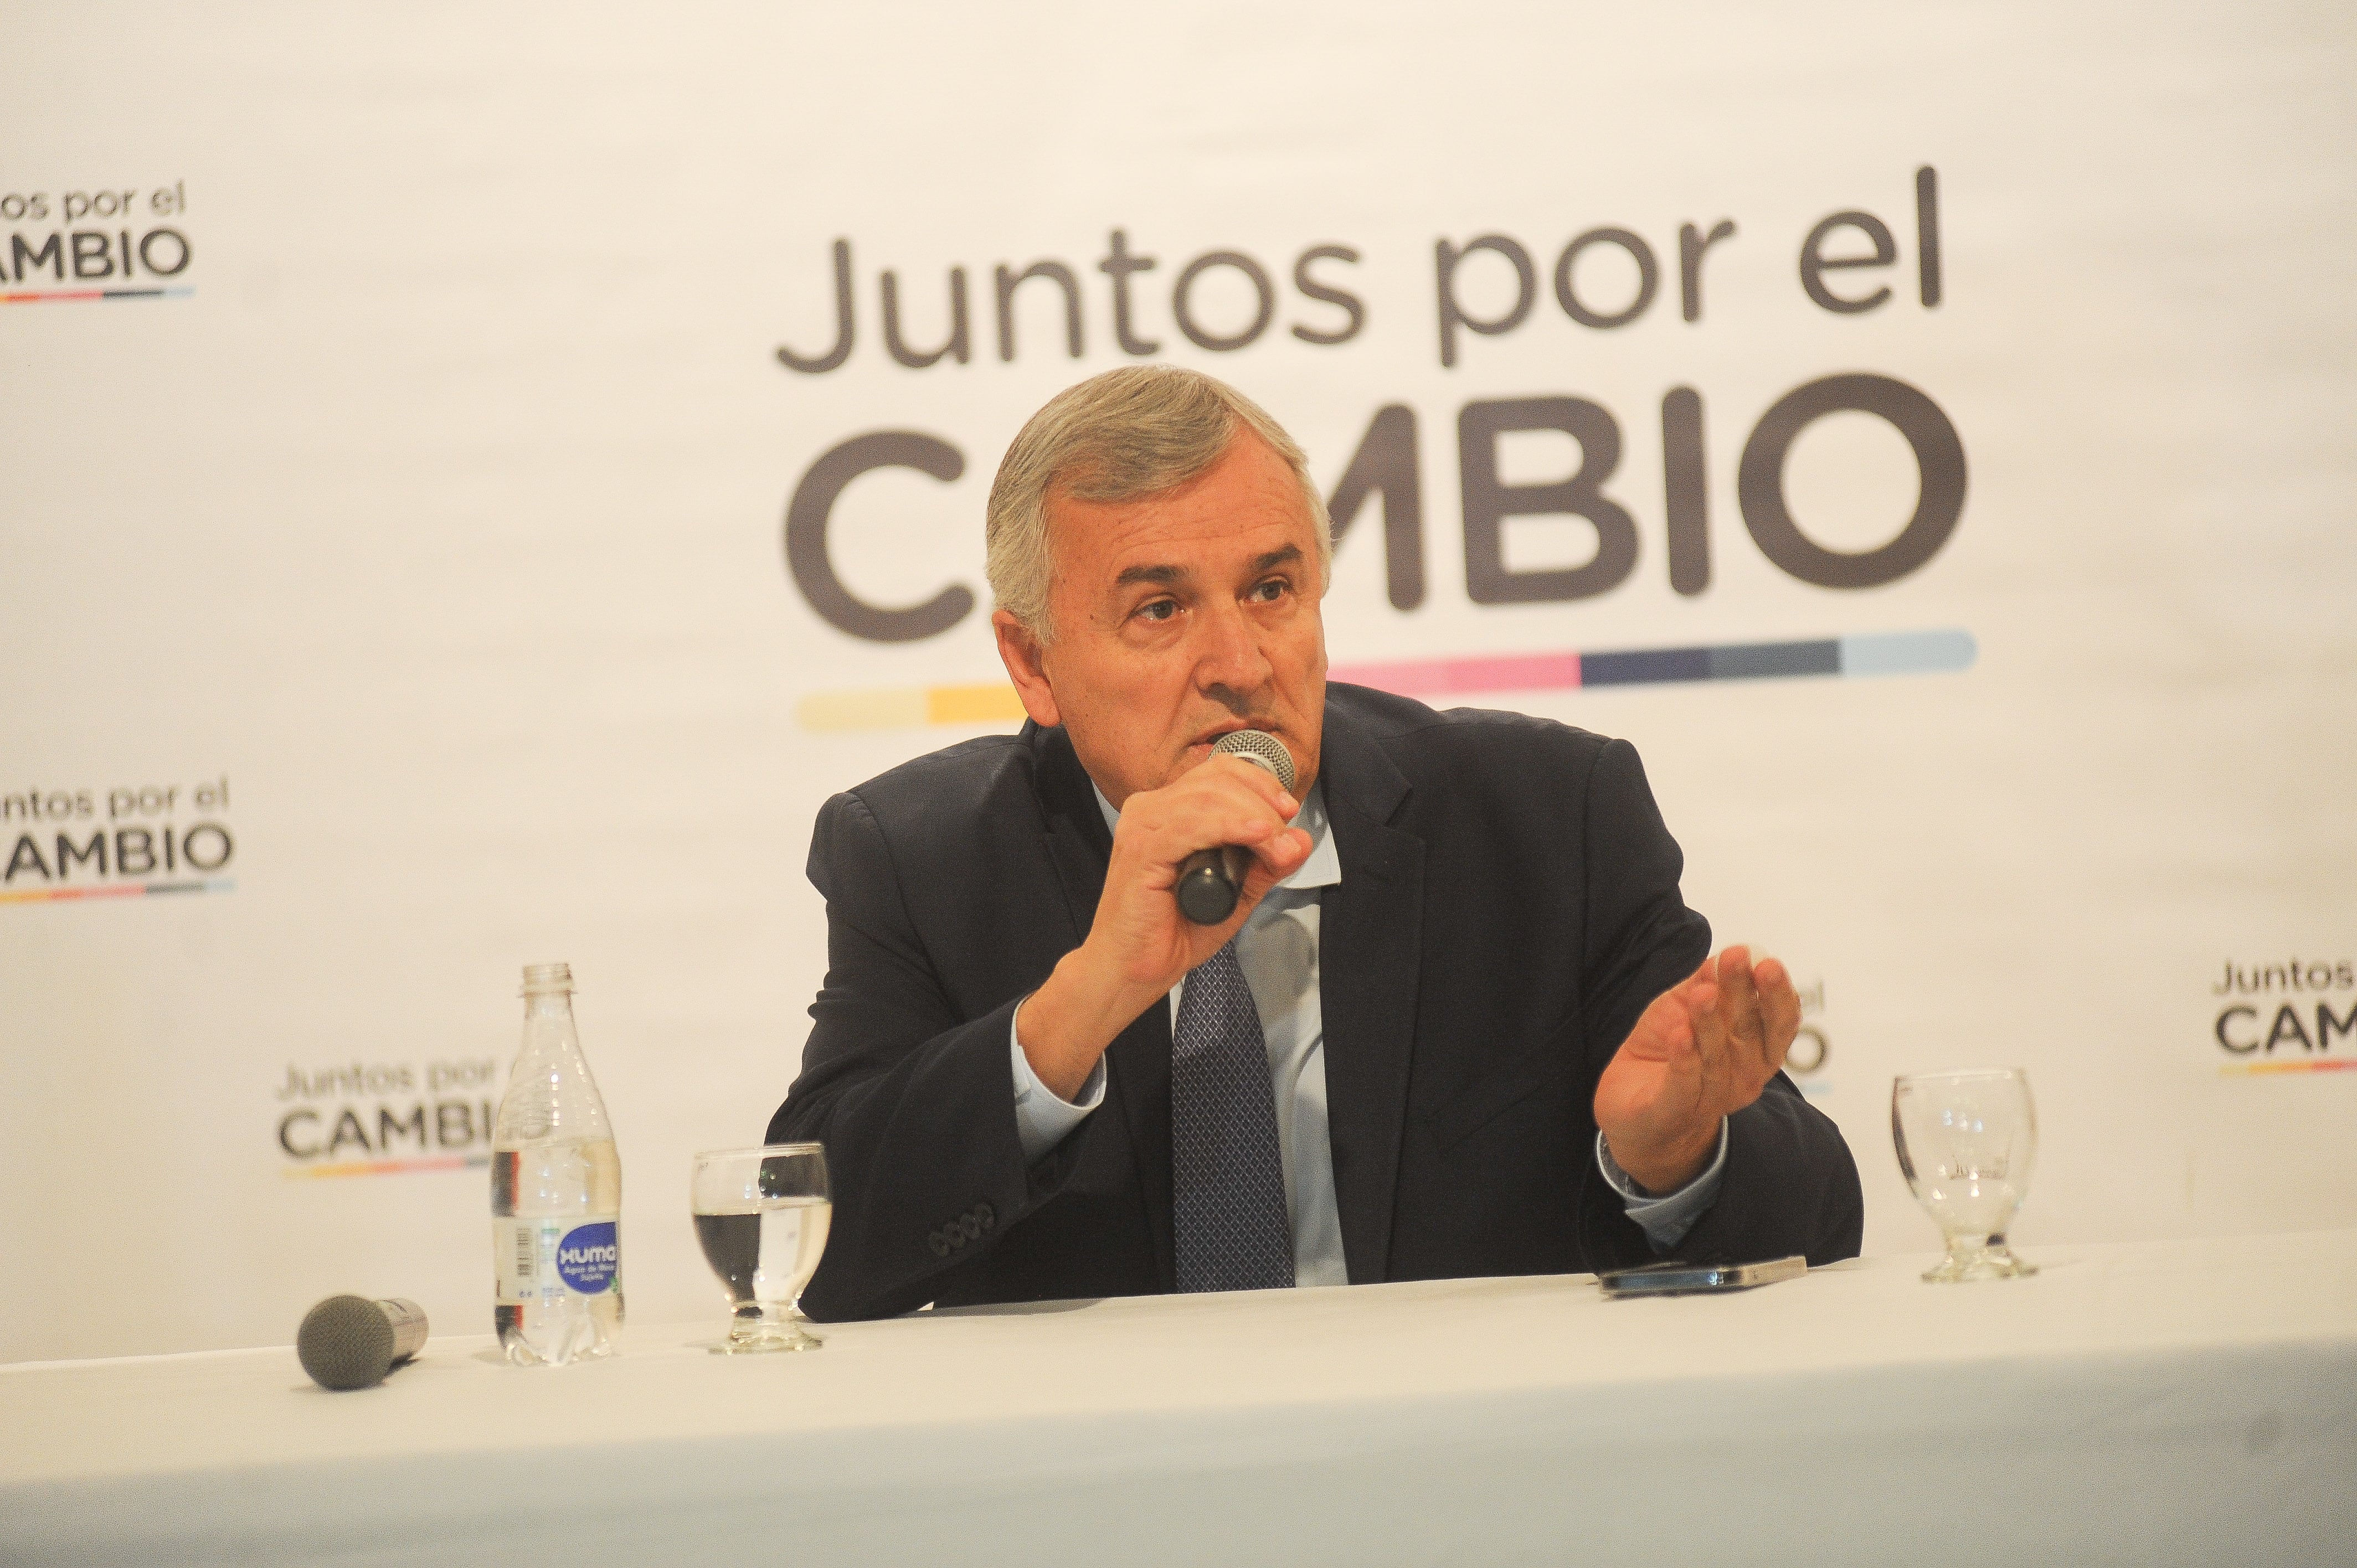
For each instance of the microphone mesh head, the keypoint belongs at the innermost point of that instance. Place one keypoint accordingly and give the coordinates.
(346, 1342)
(1261, 747)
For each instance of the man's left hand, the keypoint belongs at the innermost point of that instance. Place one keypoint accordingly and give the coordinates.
(1704, 1050)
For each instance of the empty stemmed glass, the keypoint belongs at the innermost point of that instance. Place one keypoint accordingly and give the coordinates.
(762, 1214)
(1966, 1140)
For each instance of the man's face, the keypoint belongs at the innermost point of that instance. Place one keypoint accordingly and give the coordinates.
(1179, 619)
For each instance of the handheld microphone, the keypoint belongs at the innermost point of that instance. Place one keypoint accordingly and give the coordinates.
(352, 1342)
(1211, 879)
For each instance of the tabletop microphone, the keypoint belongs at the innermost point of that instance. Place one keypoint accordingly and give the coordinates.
(352, 1342)
(1211, 879)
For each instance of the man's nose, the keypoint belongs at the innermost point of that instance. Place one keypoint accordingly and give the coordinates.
(1228, 654)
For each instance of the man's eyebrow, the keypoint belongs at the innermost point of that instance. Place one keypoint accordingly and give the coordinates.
(1168, 577)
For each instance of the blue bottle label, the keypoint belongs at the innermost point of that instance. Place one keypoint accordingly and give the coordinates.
(547, 1258)
(590, 1256)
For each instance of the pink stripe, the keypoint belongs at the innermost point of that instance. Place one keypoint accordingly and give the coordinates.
(1450, 677)
(2257, 1069)
(382, 1167)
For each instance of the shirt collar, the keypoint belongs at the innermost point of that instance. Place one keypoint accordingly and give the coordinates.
(1324, 866)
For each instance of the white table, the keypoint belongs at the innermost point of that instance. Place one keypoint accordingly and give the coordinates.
(2181, 1402)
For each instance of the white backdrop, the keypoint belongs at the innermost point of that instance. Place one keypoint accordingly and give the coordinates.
(411, 548)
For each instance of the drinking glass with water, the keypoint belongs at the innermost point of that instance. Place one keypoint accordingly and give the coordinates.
(761, 1215)
(1966, 1140)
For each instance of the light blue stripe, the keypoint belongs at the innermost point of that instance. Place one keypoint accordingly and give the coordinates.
(1909, 653)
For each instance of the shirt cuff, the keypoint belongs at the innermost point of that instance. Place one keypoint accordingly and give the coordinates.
(1665, 1218)
(1042, 1120)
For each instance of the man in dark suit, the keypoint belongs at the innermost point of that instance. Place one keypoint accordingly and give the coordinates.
(1460, 1022)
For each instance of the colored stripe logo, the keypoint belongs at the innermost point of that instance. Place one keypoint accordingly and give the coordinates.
(1888, 653)
(992, 704)
(77, 296)
(388, 1167)
(2269, 1069)
(120, 890)
(1892, 654)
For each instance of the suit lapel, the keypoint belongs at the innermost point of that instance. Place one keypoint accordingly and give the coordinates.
(1370, 935)
(1138, 1063)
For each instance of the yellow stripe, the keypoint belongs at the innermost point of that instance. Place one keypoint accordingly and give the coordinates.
(861, 710)
(909, 707)
(992, 705)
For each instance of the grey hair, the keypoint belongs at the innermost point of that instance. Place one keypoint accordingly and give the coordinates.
(1120, 437)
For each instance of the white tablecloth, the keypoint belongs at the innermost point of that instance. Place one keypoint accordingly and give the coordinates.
(2161, 1404)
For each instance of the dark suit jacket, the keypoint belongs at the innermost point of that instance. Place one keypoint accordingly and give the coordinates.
(1509, 904)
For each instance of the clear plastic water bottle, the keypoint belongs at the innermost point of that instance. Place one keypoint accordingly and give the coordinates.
(556, 1192)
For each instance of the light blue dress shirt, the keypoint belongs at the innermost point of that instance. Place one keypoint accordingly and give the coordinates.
(1278, 950)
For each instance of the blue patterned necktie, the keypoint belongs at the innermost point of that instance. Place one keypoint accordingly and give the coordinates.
(1228, 1181)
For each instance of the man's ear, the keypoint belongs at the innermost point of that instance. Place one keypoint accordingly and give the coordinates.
(1021, 653)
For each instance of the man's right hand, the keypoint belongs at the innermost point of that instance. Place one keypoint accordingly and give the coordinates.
(1140, 944)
